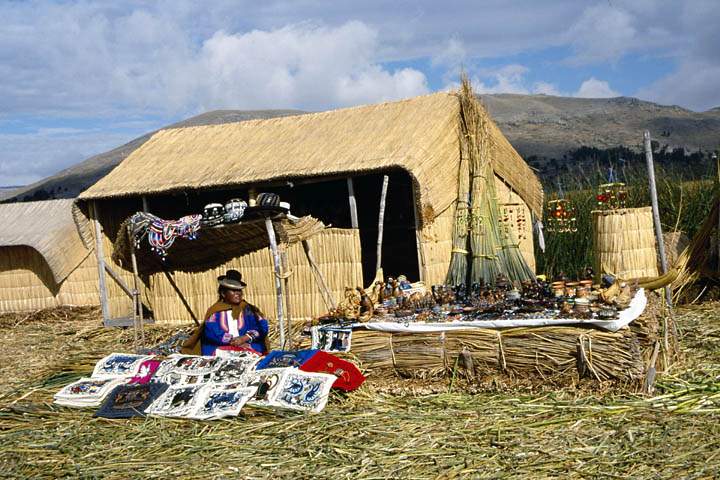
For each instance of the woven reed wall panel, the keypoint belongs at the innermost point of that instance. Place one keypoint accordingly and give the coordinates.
(111, 215)
(624, 243)
(519, 218)
(81, 286)
(336, 251)
(25, 280)
(436, 242)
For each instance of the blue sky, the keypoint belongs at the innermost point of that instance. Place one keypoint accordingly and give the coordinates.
(78, 78)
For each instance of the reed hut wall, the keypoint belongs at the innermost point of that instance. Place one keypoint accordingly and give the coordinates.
(27, 284)
(336, 252)
(624, 242)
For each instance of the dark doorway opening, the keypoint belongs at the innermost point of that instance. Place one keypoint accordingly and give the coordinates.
(399, 248)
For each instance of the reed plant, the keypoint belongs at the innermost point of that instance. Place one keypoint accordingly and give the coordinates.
(684, 203)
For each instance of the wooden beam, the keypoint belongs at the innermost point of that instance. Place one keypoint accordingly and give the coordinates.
(104, 307)
(381, 222)
(353, 204)
(278, 275)
(121, 283)
(656, 212)
(319, 278)
(418, 234)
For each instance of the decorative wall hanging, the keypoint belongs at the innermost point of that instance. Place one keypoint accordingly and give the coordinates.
(219, 402)
(265, 382)
(331, 339)
(611, 196)
(87, 392)
(177, 401)
(300, 390)
(119, 365)
(126, 401)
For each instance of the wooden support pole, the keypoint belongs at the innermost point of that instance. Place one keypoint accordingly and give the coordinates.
(353, 204)
(418, 236)
(656, 212)
(138, 320)
(278, 284)
(104, 307)
(381, 222)
(286, 293)
(319, 278)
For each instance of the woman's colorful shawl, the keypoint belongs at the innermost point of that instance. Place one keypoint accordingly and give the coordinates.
(216, 332)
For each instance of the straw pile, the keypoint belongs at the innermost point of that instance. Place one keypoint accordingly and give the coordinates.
(624, 242)
(534, 352)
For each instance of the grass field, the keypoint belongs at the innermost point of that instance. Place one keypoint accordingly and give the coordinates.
(387, 429)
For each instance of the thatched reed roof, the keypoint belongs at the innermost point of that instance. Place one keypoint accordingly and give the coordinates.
(419, 135)
(50, 228)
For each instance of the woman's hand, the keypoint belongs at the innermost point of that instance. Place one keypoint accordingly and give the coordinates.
(240, 341)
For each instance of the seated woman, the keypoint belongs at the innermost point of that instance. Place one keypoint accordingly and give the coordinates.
(231, 322)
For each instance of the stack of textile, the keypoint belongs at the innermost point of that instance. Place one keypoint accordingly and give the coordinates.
(198, 387)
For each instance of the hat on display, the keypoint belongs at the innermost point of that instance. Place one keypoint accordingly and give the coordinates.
(232, 279)
(234, 210)
(213, 214)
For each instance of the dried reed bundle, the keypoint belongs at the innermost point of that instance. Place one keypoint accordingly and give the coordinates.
(493, 252)
(457, 272)
(547, 351)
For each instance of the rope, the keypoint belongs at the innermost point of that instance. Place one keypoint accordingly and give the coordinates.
(459, 250)
(501, 352)
(443, 352)
(392, 352)
(585, 359)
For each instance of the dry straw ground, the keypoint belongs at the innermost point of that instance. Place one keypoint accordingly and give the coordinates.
(432, 430)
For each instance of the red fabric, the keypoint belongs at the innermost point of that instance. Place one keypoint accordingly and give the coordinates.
(145, 372)
(349, 376)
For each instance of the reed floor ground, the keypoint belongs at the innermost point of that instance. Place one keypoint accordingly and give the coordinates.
(388, 429)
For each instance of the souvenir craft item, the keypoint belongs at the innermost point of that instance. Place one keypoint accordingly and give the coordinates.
(194, 364)
(265, 382)
(282, 358)
(219, 402)
(332, 339)
(349, 377)
(561, 216)
(305, 391)
(268, 200)
(119, 365)
(234, 210)
(126, 401)
(146, 371)
(234, 370)
(177, 401)
(213, 214)
(162, 233)
(611, 196)
(229, 353)
(87, 392)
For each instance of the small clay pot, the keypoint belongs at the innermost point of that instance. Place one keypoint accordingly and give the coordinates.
(571, 289)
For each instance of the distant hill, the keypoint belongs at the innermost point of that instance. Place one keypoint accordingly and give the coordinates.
(539, 126)
(547, 126)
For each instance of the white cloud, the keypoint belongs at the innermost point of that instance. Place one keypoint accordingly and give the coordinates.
(594, 88)
(694, 85)
(602, 33)
(506, 79)
(545, 88)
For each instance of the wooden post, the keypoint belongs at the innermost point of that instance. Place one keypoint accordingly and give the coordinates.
(319, 278)
(138, 320)
(104, 307)
(278, 285)
(381, 221)
(286, 293)
(656, 212)
(145, 204)
(353, 204)
(418, 235)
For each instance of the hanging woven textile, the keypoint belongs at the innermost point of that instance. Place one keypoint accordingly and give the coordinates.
(161, 233)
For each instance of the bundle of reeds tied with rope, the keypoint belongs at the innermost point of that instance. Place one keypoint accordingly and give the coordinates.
(492, 251)
(527, 352)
